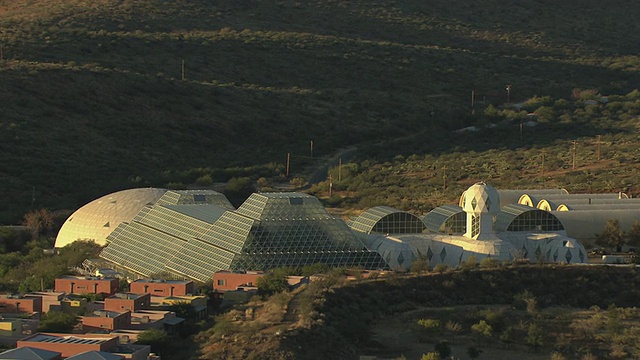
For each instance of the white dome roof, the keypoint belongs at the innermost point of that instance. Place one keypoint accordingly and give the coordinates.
(481, 198)
(97, 219)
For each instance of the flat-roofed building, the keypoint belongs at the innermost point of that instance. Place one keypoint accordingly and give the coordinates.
(70, 345)
(225, 280)
(51, 300)
(87, 285)
(10, 327)
(197, 302)
(162, 287)
(12, 303)
(106, 320)
(127, 301)
(155, 319)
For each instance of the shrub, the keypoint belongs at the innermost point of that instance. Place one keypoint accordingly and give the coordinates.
(431, 326)
(440, 268)
(482, 328)
(489, 263)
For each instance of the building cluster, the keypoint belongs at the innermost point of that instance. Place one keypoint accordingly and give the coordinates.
(192, 234)
(197, 235)
(108, 326)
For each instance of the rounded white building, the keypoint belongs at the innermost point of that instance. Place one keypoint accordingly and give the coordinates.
(97, 219)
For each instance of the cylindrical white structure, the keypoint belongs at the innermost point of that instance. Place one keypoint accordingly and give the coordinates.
(481, 203)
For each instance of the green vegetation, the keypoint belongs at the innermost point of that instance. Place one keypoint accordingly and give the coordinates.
(95, 97)
(58, 322)
(403, 316)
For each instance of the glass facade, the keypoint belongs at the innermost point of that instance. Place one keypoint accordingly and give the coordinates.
(516, 217)
(267, 231)
(446, 219)
(387, 220)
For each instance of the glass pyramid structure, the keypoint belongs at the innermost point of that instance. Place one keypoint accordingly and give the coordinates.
(194, 239)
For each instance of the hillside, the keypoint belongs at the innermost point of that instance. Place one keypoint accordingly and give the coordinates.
(94, 96)
(528, 312)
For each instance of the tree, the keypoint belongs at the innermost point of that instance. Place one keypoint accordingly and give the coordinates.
(482, 328)
(430, 356)
(57, 321)
(633, 235)
(39, 222)
(469, 264)
(557, 356)
(489, 263)
(419, 265)
(612, 236)
(157, 339)
(473, 352)
(431, 326)
(443, 349)
(273, 282)
(535, 337)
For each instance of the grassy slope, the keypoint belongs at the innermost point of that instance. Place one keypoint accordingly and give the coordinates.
(92, 99)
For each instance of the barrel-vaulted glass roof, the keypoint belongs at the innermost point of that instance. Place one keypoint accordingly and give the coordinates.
(447, 219)
(387, 220)
(518, 217)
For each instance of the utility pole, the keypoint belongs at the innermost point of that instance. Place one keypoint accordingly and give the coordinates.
(444, 177)
(182, 70)
(311, 148)
(288, 162)
(340, 170)
(473, 101)
(330, 185)
(573, 166)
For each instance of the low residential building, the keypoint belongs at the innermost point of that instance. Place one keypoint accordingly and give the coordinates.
(155, 319)
(60, 301)
(50, 299)
(87, 285)
(15, 303)
(127, 301)
(197, 302)
(226, 280)
(162, 287)
(70, 345)
(10, 327)
(106, 320)
(75, 305)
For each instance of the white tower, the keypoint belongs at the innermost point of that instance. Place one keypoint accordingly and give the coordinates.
(481, 203)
